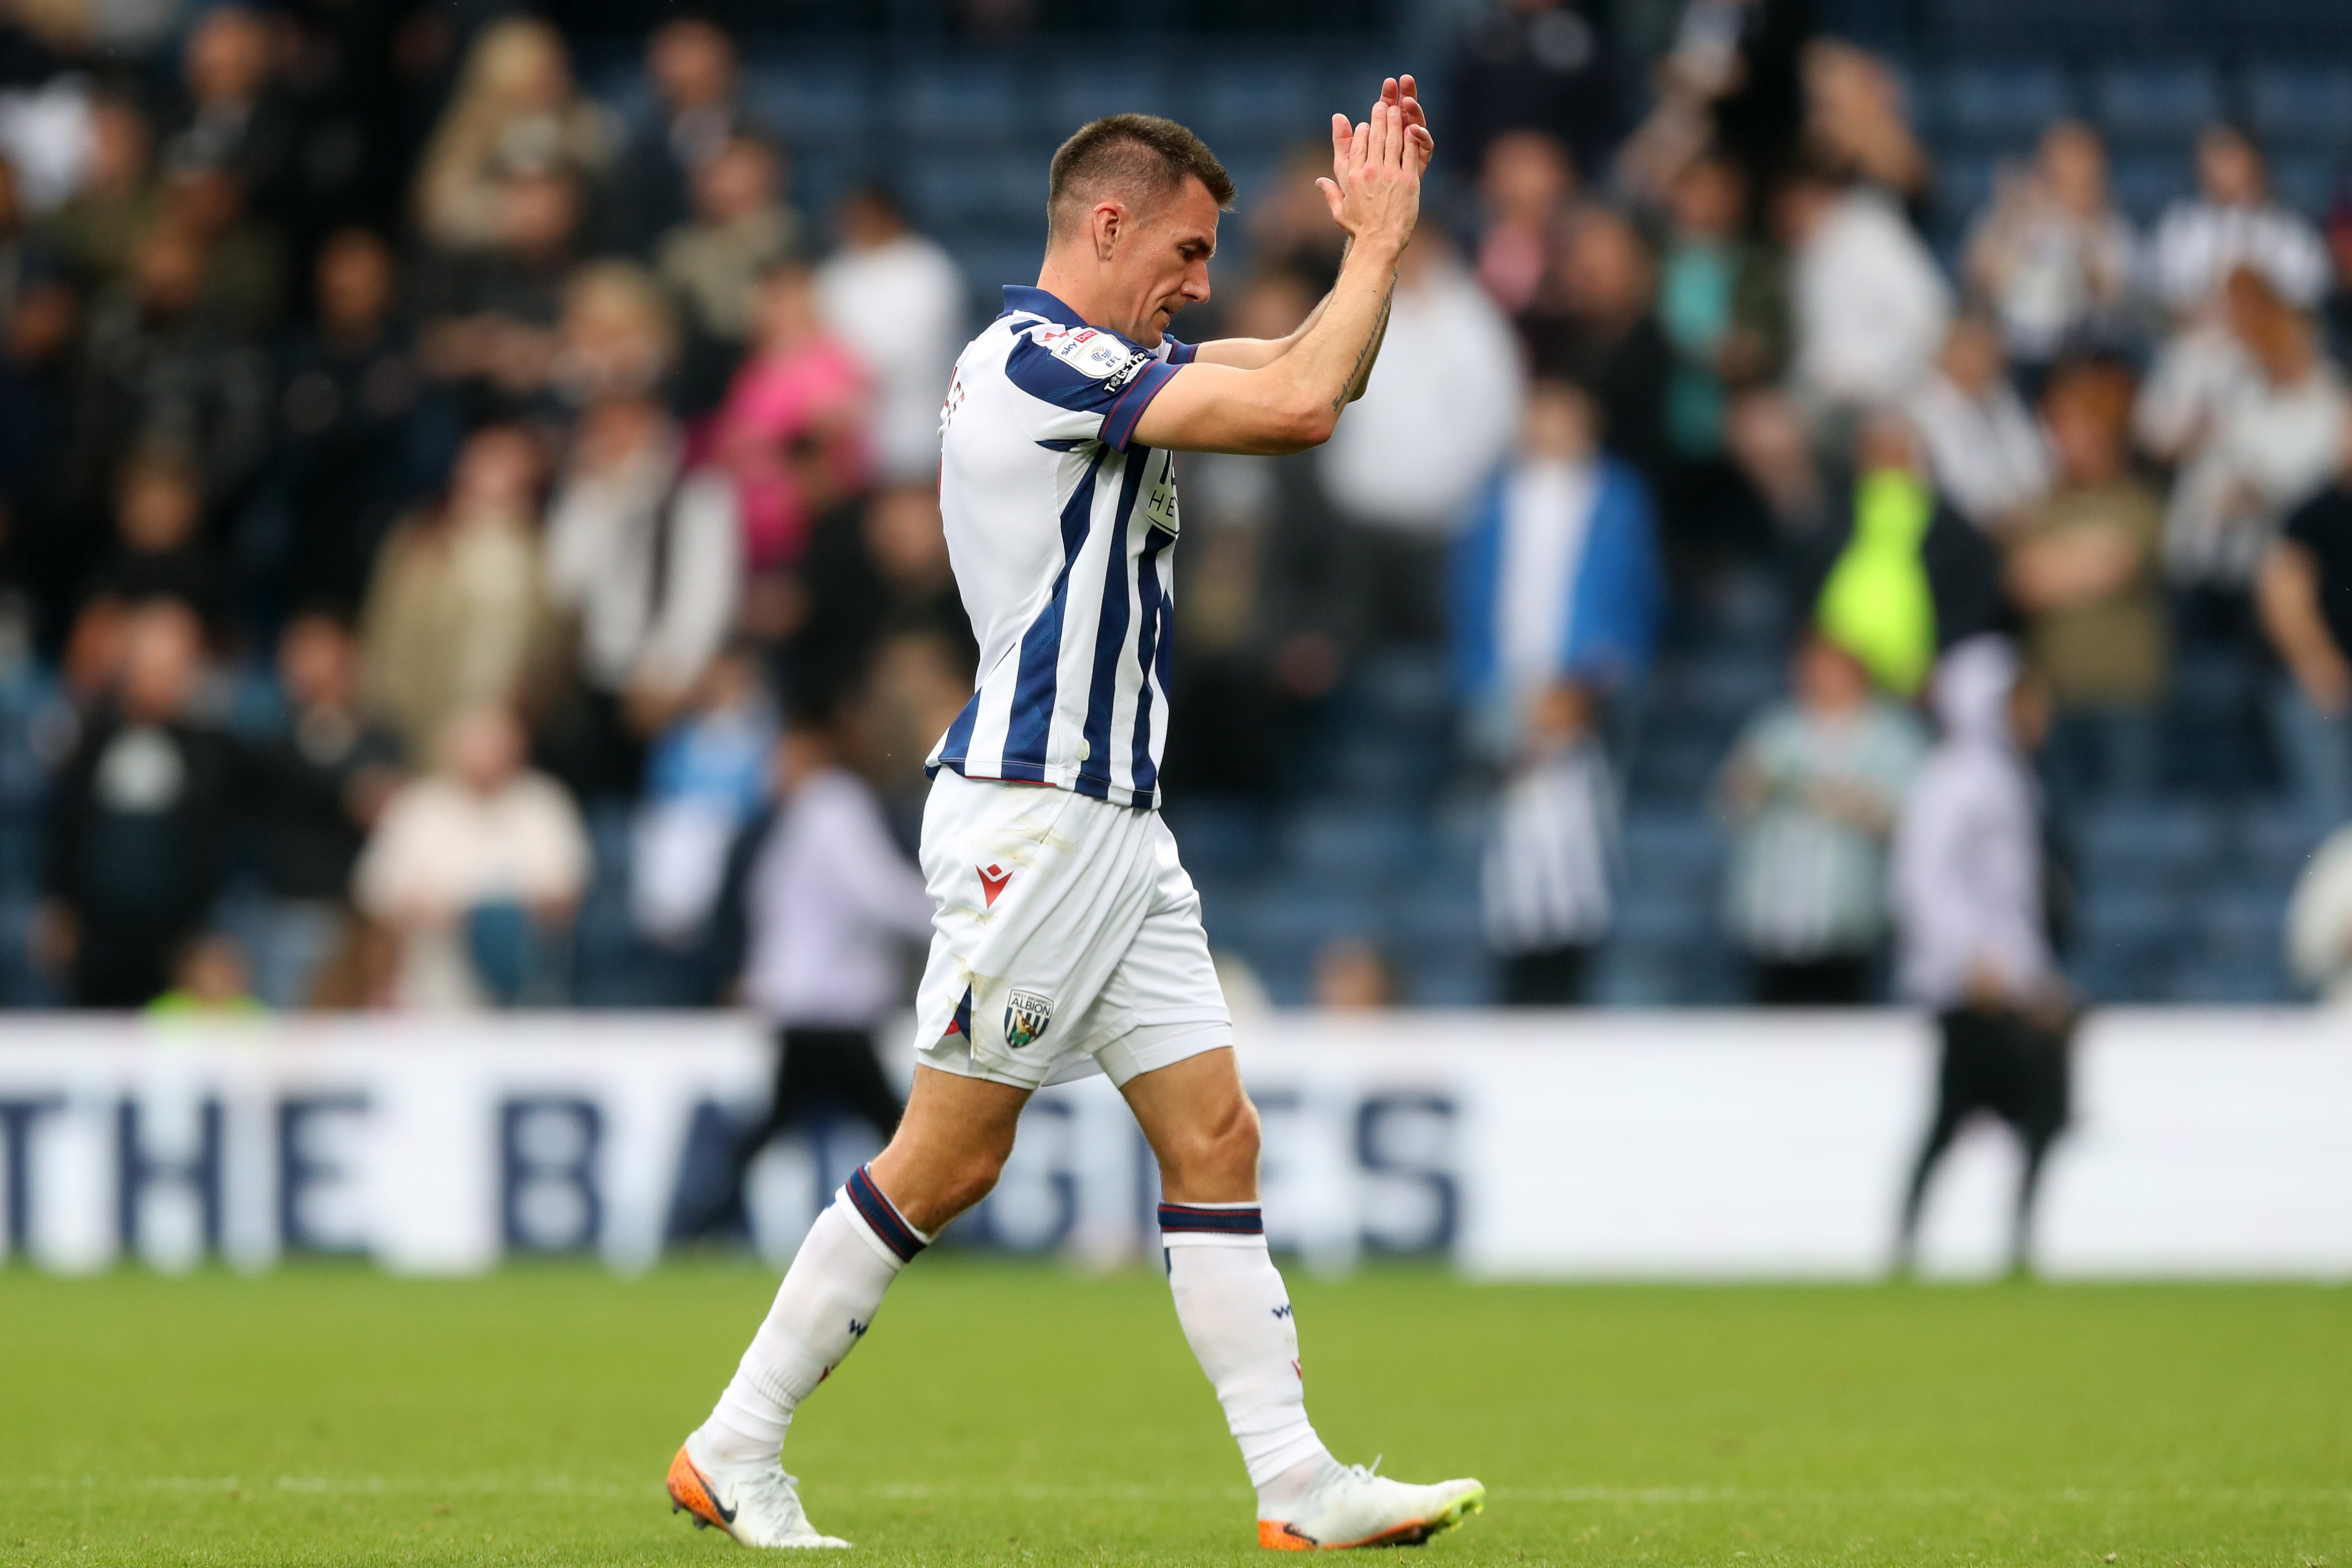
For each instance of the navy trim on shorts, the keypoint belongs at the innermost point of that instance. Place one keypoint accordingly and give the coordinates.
(881, 1216)
(1178, 1218)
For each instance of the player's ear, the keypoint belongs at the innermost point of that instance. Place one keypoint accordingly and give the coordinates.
(1109, 228)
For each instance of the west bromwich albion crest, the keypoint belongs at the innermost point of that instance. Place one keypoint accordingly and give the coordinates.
(1027, 1014)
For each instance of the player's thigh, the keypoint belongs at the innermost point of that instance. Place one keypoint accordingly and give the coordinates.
(1201, 1127)
(950, 1146)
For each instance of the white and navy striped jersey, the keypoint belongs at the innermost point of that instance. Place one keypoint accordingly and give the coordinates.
(1062, 534)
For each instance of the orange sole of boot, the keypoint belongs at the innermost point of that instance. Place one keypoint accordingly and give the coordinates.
(1278, 1537)
(690, 1492)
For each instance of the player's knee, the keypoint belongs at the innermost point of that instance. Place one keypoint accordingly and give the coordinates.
(971, 1178)
(1218, 1154)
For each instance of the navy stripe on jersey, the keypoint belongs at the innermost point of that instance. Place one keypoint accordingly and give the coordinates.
(1118, 425)
(1110, 636)
(1178, 1218)
(1152, 645)
(1040, 647)
(882, 1217)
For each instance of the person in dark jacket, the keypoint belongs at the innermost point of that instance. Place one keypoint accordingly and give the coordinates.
(140, 816)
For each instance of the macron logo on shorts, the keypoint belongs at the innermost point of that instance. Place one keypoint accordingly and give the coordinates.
(991, 882)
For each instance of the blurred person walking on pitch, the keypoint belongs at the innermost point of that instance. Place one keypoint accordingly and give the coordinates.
(1970, 904)
(1067, 939)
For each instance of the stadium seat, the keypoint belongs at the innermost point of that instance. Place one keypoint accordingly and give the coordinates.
(2143, 183)
(2306, 180)
(963, 191)
(1358, 849)
(1679, 851)
(2183, 839)
(2274, 844)
(2299, 104)
(811, 100)
(1081, 91)
(2157, 102)
(962, 104)
(2005, 104)
(1270, 100)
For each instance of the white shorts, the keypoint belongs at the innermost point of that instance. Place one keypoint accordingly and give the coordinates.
(1067, 939)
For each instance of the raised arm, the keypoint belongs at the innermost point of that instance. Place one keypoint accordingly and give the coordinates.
(1293, 401)
(1257, 353)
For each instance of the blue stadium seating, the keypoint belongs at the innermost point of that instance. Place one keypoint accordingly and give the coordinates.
(2004, 103)
(2164, 103)
(2296, 104)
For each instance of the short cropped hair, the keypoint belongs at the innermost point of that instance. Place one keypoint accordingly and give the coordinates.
(1141, 157)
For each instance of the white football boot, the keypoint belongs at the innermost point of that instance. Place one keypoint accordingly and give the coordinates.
(758, 1505)
(1357, 1507)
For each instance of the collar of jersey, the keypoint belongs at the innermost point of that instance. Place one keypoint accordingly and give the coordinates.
(1020, 299)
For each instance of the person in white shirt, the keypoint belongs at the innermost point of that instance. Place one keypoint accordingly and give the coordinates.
(1973, 943)
(2319, 921)
(1437, 417)
(2234, 221)
(896, 300)
(644, 551)
(2255, 420)
(1984, 445)
(2059, 263)
(475, 868)
(1869, 306)
(819, 912)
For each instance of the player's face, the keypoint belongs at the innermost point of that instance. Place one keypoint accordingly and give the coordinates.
(1170, 260)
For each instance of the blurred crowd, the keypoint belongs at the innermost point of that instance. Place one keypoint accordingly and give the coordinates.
(407, 473)
(423, 484)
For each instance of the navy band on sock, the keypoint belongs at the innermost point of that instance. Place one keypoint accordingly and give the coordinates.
(882, 1218)
(1177, 1218)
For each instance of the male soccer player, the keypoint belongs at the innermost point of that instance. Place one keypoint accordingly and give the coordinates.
(1068, 939)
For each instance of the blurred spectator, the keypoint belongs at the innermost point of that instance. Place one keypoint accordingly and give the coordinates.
(1545, 884)
(2338, 314)
(2059, 264)
(2233, 222)
(1290, 229)
(17, 244)
(2256, 424)
(1896, 576)
(2305, 592)
(474, 871)
(241, 119)
(1556, 578)
(741, 228)
(1730, 80)
(1856, 119)
(643, 548)
(1351, 974)
(1983, 446)
(1524, 186)
(821, 910)
(316, 789)
(209, 976)
(354, 438)
(1974, 937)
(1410, 456)
(1594, 323)
(2319, 921)
(1868, 306)
(872, 568)
(140, 820)
(691, 67)
(1721, 303)
(800, 382)
(159, 371)
(516, 111)
(2085, 571)
(244, 284)
(42, 552)
(897, 301)
(1813, 789)
(160, 552)
(1536, 65)
(97, 229)
(489, 314)
(457, 615)
(706, 776)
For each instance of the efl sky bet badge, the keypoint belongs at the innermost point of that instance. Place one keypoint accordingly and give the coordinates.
(1027, 1014)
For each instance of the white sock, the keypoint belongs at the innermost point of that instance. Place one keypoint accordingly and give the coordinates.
(822, 1309)
(1236, 1312)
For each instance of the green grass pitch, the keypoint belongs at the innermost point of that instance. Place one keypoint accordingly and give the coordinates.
(1019, 1415)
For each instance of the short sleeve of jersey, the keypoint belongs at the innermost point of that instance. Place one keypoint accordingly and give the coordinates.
(1073, 385)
